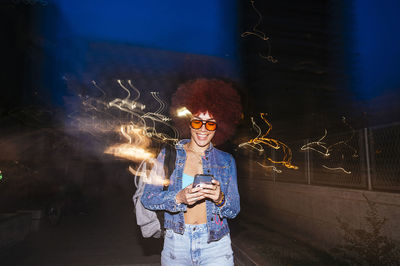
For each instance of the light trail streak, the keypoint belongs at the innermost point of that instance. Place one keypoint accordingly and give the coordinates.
(157, 117)
(270, 167)
(183, 112)
(128, 117)
(135, 172)
(135, 89)
(321, 147)
(345, 142)
(162, 105)
(260, 140)
(95, 84)
(148, 121)
(337, 168)
(99, 116)
(137, 147)
(142, 133)
(324, 150)
(127, 104)
(154, 176)
(260, 34)
(130, 152)
(138, 135)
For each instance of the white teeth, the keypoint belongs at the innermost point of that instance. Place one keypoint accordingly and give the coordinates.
(202, 136)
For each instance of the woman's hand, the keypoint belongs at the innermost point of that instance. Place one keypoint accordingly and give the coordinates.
(212, 191)
(189, 195)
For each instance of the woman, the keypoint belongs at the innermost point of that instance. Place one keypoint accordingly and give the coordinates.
(197, 231)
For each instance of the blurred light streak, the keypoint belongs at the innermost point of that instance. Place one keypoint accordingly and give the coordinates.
(136, 148)
(155, 176)
(127, 104)
(260, 140)
(127, 117)
(337, 168)
(136, 172)
(130, 152)
(258, 33)
(135, 89)
(134, 109)
(157, 117)
(321, 147)
(270, 167)
(345, 142)
(183, 112)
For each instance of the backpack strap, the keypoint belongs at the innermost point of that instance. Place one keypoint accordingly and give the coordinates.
(169, 161)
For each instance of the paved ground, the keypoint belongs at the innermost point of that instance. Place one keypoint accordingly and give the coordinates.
(109, 236)
(106, 236)
(256, 244)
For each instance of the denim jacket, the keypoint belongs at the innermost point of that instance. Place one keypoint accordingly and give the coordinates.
(218, 163)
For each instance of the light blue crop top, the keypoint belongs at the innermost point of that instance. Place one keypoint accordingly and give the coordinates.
(187, 180)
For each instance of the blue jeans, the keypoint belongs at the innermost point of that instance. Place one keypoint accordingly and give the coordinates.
(192, 248)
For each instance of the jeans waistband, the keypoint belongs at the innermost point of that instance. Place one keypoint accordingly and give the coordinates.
(196, 227)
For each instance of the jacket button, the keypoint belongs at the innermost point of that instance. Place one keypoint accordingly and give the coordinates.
(212, 219)
(208, 171)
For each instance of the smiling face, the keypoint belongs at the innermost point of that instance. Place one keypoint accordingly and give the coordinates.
(202, 137)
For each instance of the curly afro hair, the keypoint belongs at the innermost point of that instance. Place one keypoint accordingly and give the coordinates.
(216, 96)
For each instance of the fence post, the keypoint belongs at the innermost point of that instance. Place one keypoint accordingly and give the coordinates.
(367, 159)
(250, 161)
(308, 166)
(273, 158)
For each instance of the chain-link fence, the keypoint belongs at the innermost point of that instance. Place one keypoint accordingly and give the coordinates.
(384, 149)
(361, 159)
(336, 160)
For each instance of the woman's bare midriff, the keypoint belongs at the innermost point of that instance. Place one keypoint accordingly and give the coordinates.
(196, 214)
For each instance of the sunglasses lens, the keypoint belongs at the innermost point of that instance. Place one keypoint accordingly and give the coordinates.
(211, 126)
(196, 124)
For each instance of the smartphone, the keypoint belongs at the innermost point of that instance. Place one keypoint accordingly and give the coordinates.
(202, 179)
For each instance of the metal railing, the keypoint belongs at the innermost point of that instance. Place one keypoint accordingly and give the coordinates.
(363, 159)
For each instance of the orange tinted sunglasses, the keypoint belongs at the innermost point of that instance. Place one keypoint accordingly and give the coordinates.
(197, 123)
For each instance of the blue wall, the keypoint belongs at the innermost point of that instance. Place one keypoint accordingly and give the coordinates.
(65, 28)
(377, 47)
(201, 27)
